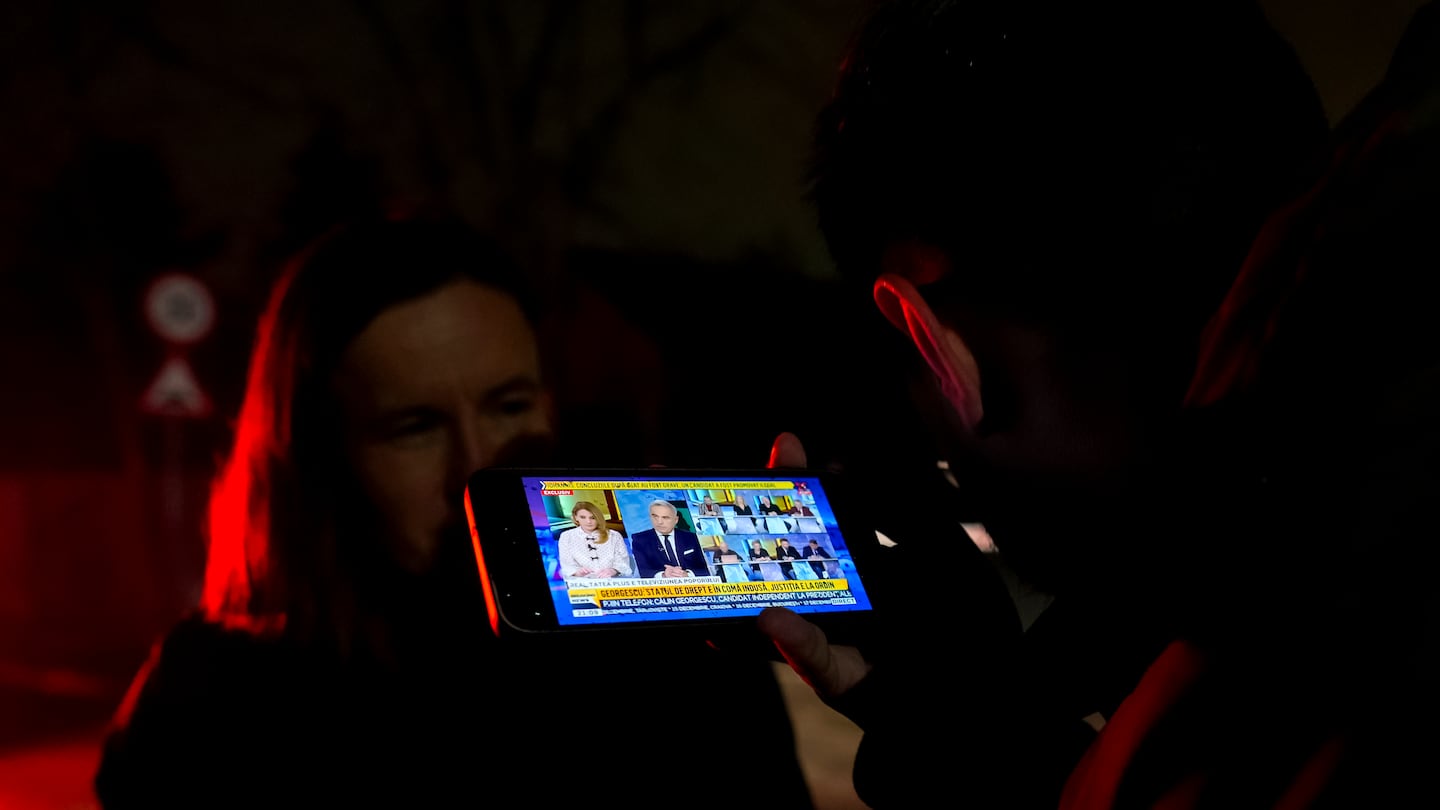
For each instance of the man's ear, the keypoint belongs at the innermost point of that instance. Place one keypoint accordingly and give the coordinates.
(898, 296)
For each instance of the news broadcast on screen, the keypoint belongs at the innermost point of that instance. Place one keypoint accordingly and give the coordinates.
(690, 548)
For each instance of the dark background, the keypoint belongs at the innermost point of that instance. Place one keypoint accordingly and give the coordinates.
(645, 158)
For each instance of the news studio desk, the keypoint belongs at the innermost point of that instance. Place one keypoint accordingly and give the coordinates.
(774, 570)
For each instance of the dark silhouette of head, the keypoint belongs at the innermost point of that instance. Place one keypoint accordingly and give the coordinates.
(1050, 199)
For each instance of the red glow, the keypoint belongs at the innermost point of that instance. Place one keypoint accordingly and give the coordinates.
(1313, 778)
(1096, 779)
(132, 695)
(1246, 320)
(227, 573)
(52, 681)
(491, 607)
(51, 775)
(950, 360)
(239, 530)
(1248, 317)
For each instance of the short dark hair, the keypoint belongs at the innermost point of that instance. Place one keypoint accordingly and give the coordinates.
(1066, 156)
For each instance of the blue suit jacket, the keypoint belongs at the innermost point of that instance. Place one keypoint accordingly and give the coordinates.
(650, 556)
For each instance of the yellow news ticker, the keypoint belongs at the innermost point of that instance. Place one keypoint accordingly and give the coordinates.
(667, 484)
(710, 589)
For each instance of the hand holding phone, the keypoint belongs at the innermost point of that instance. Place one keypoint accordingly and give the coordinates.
(794, 539)
(829, 669)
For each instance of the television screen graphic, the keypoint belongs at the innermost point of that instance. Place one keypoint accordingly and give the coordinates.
(662, 549)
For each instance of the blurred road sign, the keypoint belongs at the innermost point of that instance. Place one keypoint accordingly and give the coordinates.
(179, 308)
(175, 392)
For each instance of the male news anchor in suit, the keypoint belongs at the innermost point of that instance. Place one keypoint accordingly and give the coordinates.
(665, 551)
(816, 552)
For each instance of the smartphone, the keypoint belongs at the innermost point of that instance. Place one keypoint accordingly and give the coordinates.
(629, 549)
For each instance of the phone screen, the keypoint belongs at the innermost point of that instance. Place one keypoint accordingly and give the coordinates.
(664, 548)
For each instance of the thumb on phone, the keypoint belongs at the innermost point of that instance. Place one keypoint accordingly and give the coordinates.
(829, 669)
(787, 451)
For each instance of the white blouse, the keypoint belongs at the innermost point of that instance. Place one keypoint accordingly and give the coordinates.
(578, 550)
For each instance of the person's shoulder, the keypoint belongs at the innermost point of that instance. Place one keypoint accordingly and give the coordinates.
(199, 636)
(201, 654)
(240, 706)
(200, 676)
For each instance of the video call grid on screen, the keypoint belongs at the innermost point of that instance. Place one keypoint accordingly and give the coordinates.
(824, 582)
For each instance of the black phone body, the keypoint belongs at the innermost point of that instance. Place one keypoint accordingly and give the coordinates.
(742, 540)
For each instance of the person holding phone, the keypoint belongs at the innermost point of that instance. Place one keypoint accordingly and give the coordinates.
(589, 549)
(337, 656)
(665, 551)
(1261, 678)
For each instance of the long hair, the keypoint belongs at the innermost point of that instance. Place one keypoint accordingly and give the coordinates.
(283, 497)
(604, 532)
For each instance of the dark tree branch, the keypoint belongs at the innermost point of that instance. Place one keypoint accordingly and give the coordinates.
(393, 52)
(483, 81)
(130, 22)
(597, 140)
(526, 99)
